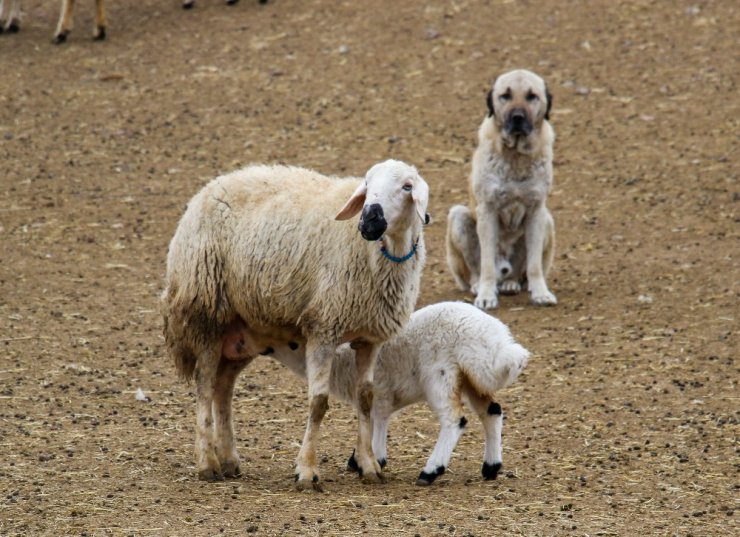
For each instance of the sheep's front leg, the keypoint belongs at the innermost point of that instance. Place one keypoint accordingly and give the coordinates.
(318, 370)
(209, 469)
(100, 22)
(64, 26)
(10, 20)
(228, 457)
(446, 403)
(367, 465)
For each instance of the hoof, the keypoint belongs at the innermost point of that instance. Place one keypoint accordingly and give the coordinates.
(352, 465)
(13, 28)
(231, 2)
(231, 470)
(382, 463)
(210, 475)
(308, 484)
(426, 479)
(188, 5)
(373, 478)
(60, 38)
(263, 1)
(99, 34)
(490, 471)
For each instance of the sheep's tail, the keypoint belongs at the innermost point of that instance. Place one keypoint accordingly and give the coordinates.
(498, 367)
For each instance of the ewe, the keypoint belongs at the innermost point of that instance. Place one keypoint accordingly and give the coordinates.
(260, 248)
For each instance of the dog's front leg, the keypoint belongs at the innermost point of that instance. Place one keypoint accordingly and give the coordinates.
(487, 229)
(538, 231)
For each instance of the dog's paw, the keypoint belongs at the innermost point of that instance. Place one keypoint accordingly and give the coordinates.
(486, 301)
(510, 287)
(544, 298)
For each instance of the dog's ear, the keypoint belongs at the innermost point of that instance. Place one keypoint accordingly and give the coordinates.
(489, 102)
(548, 95)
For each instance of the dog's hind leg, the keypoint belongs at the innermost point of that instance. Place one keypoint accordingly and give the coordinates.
(463, 249)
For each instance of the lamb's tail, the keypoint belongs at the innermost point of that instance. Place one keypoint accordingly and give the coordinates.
(496, 366)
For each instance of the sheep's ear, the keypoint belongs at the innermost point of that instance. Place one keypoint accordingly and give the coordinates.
(489, 102)
(354, 204)
(420, 195)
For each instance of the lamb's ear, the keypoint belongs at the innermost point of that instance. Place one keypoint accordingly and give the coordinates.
(548, 95)
(420, 195)
(354, 203)
(489, 102)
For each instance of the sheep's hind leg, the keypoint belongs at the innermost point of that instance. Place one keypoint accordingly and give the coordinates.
(64, 26)
(491, 416)
(100, 21)
(318, 370)
(10, 11)
(228, 456)
(209, 468)
(367, 465)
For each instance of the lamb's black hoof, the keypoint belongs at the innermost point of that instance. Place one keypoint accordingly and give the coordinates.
(100, 36)
(490, 471)
(382, 463)
(263, 1)
(14, 28)
(352, 464)
(426, 479)
(231, 2)
(60, 38)
(188, 5)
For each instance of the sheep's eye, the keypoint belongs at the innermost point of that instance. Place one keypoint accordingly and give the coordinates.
(532, 97)
(505, 96)
(407, 187)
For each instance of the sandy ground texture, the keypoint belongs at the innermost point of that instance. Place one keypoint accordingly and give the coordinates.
(626, 420)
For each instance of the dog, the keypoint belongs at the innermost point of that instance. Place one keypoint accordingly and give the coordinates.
(506, 237)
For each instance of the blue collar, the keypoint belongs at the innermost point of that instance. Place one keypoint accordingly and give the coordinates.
(391, 257)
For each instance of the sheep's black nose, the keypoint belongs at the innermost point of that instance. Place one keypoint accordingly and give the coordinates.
(372, 222)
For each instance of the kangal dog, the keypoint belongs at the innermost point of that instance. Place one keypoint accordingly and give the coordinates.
(506, 236)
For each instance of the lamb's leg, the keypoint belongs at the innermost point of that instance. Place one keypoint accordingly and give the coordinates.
(64, 26)
(380, 436)
(449, 410)
(228, 371)
(10, 16)
(368, 466)
(318, 370)
(209, 469)
(100, 22)
(491, 417)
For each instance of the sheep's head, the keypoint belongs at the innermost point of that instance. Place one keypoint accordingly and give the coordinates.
(392, 197)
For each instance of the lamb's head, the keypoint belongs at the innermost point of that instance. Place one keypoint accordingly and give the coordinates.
(393, 198)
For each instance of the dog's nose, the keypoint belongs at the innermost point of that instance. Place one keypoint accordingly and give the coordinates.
(518, 116)
(504, 271)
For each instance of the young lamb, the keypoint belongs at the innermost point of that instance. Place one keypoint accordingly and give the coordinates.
(260, 248)
(10, 21)
(447, 352)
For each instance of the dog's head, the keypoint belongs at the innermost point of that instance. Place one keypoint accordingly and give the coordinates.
(519, 102)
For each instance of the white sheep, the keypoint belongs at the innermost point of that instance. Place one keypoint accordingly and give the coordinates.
(260, 248)
(448, 352)
(10, 21)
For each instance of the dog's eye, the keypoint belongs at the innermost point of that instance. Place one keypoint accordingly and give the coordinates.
(505, 96)
(407, 187)
(532, 97)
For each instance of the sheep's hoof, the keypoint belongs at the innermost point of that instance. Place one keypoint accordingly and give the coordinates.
(60, 38)
(308, 484)
(231, 470)
(382, 463)
(209, 474)
(188, 5)
(372, 478)
(490, 471)
(99, 34)
(263, 1)
(231, 2)
(352, 465)
(13, 28)
(426, 479)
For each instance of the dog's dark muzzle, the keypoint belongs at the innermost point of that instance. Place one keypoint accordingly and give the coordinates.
(517, 123)
(372, 222)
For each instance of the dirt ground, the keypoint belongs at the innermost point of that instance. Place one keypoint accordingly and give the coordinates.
(626, 420)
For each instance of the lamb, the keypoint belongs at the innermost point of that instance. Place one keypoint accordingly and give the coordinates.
(258, 249)
(447, 352)
(10, 21)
